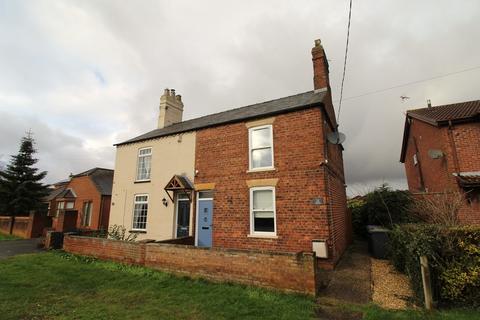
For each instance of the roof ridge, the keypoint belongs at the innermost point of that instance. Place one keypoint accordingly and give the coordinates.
(262, 109)
(229, 110)
(90, 171)
(444, 105)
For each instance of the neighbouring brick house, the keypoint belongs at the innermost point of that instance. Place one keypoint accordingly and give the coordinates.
(82, 202)
(260, 177)
(441, 153)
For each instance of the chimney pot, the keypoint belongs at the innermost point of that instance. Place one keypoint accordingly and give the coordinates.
(429, 103)
(173, 92)
(179, 98)
(166, 92)
(318, 43)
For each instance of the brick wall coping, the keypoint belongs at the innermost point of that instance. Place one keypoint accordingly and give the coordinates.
(228, 250)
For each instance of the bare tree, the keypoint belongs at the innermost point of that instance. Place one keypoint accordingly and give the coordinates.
(439, 208)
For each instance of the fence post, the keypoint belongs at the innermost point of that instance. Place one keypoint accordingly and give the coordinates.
(427, 284)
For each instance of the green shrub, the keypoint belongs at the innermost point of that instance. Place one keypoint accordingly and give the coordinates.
(454, 259)
(383, 206)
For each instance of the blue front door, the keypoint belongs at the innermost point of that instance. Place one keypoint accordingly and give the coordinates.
(205, 214)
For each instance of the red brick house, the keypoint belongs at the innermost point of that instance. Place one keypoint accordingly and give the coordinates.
(82, 202)
(260, 177)
(441, 152)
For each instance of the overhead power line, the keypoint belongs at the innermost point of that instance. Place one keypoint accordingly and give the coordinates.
(410, 83)
(345, 61)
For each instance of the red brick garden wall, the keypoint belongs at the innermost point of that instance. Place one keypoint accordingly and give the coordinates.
(25, 226)
(5, 224)
(288, 272)
(119, 251)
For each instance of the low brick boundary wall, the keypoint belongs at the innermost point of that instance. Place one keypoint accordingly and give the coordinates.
(5, 224)
(287, 272)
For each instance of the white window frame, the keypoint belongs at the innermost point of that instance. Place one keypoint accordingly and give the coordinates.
(133, 211)
(250, 150)
(57, 211)
(84, 222)
(138, 163)
(252, 220)
(415, 159)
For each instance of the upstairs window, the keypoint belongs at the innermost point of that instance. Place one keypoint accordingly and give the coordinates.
(140, 211)
(260, 147)
(262, 211)
(144, 164)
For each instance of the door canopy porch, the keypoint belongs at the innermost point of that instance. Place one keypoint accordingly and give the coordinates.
(179, 183)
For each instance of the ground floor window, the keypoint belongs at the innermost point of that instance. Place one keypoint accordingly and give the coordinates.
(87, 214)
(262, 210)
(140, 210)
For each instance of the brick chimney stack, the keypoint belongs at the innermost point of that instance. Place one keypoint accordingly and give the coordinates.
(320, 67)
(171, 108)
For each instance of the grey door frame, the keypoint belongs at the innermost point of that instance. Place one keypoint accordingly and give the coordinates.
(196, 213)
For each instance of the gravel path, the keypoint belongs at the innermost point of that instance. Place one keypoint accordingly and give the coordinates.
(391, 289)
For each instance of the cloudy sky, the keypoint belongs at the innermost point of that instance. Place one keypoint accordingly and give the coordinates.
(86, 74)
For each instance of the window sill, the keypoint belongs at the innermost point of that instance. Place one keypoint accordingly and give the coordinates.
(261, 170)
(262, 236)
(141, 181)
(138, 231)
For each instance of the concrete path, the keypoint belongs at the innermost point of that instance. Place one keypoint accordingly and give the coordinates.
(10, 248)
(350, 282)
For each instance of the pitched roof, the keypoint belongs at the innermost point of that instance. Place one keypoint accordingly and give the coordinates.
(455, 112)
(282, 105)
(441, 116)
(101, 177)
(67, 193)
(55, 192)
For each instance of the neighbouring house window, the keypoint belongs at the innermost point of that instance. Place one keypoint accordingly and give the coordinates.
(262, 210)
(87, 214)
(144, 164)
(70, 205)
(60, 207)
(415, 159)
(140, 211)
(261, 147)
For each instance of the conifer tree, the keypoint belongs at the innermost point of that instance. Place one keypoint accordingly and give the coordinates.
(21, 189)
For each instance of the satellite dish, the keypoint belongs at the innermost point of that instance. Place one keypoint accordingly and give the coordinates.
(435, 154)
(336, 137)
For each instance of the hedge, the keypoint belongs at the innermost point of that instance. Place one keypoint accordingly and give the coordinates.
(383, 206)
(454, 258)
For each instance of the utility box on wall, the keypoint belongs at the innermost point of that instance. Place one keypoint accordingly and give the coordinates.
(320, 248)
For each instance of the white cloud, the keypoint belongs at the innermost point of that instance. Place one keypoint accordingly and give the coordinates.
(87, 74)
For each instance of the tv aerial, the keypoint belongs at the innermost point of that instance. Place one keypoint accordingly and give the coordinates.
(435, 153)
(336, 137)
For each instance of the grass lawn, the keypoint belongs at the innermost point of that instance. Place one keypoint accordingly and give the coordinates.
(8, 237)
(333, 309)
(372, 312)
(55, 285)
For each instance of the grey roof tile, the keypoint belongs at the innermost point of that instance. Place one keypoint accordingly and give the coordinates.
(282, 105)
